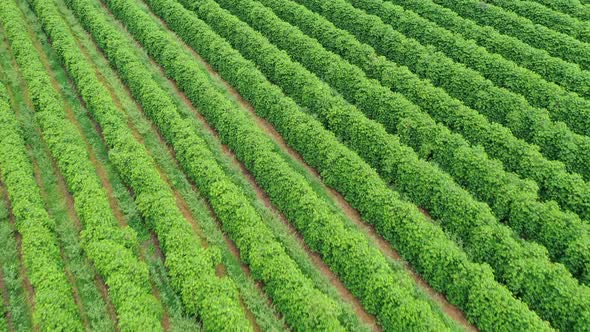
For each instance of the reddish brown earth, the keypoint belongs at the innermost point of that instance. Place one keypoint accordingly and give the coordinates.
(158, 255)
(4, 290)
(68, 272)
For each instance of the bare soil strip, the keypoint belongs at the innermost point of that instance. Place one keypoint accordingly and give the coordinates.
(28, 287)
(160, 256)
(3, 289)
(5, 300)
(69, 275)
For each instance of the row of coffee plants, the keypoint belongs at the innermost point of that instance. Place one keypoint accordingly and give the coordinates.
(108, 246)
(556, 43)
(54, 303)
(555, 140)
(371, 29)
(553, 69)
(484, 248)
(400, 222)
(191, 267)
(575, 8)
(562, 105)
(510, 198)
(543, 15)
(383, 291)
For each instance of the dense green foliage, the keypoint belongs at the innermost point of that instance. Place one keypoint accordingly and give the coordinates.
(556, 43)
(562, 105)
(109, 247)
(257, 302)
(457, 130)
(290, 289)
(505, 253)
(511, 199)
(388, 293)
(360, 185)
(554, 69)
(81, 272)
(543, 15)
(458, 210)
(570, 192)
(190, 265)
(54, 304)
(575, 8)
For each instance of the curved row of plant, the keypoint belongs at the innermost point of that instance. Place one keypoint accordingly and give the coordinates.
(556, 43)
(570, 192)
(553, 69)
(573, 8)
(543, 15)
(562, 105)
(190, 266)
(522, 210)
(383, 291)
(534, 125)
(345, 171)
(109, 247)
(54, 303)
(304, 306)
(510, 198)
(249, 42)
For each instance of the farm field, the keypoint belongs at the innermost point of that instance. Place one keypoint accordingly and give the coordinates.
(294, 165)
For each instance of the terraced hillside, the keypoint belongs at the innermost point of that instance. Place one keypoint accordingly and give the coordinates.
(294, 165)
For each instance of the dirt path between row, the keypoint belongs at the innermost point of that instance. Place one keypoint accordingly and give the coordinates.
(28, 287)
(4, 197)
(68, 272)
(3, 289)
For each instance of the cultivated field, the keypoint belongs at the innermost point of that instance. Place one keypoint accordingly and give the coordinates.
(295, 165)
